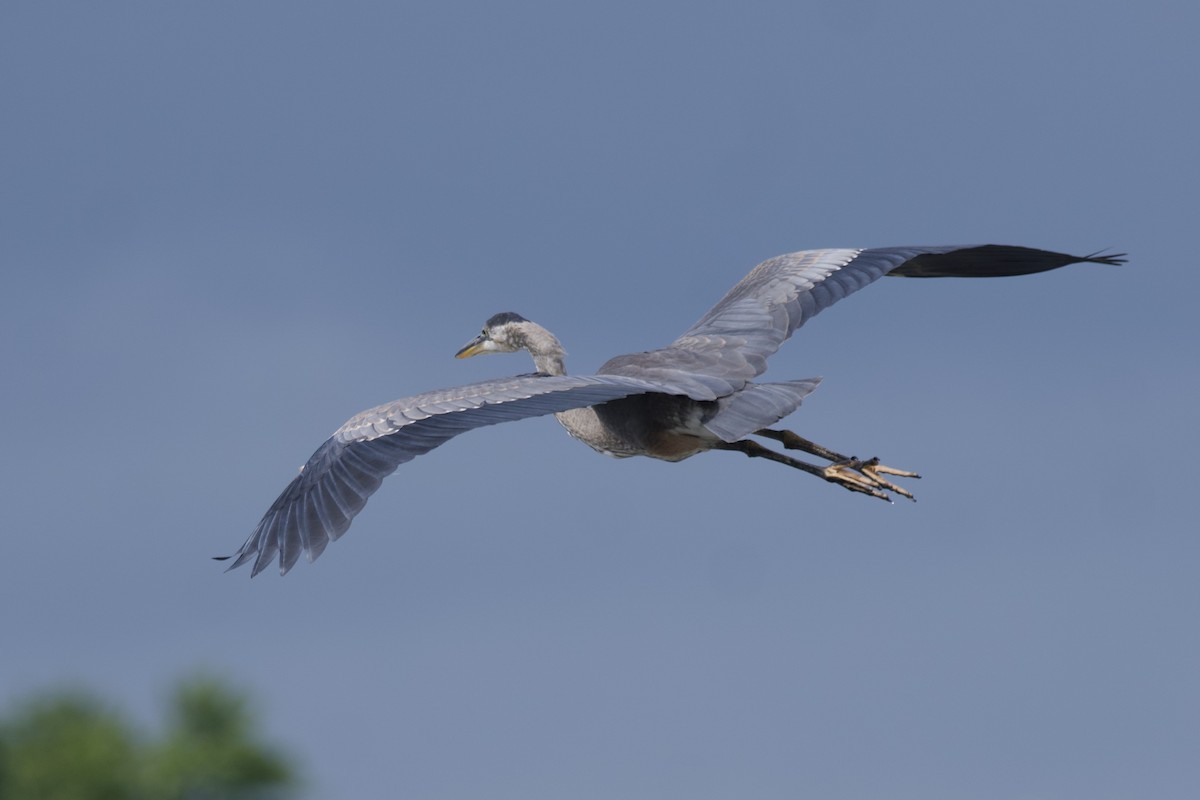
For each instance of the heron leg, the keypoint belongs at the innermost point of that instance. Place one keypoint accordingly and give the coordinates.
(869, 472)
(841, 474)
(794, 441)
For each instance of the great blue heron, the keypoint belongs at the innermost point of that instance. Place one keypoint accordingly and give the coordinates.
(694, 395)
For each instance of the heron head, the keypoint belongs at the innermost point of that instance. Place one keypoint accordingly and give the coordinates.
(502, 333)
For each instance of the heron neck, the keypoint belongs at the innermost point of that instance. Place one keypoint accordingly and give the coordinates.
(550, 364)
(548, 354)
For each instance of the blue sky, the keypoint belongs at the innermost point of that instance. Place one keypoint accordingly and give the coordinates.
(225, 228)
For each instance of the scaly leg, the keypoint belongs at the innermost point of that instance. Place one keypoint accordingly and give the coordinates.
(870, 473)
(835, 473)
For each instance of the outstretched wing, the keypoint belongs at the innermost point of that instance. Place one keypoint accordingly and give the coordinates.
(318, 505)
(730, 344)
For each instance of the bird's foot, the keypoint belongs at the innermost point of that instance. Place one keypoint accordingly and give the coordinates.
(867, 477)
(848, 472)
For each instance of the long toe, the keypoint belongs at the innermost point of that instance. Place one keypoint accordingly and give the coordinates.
(849, 475)
(875, 466)
(867, 477)
(874, 470)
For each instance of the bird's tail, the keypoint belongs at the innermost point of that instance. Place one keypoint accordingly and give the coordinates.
(757, 406)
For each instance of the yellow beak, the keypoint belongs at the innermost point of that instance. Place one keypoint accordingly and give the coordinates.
(473, 348)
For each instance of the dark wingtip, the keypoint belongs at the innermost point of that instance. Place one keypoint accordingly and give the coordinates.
(995, 261)
(1100, 257)
(232, 566)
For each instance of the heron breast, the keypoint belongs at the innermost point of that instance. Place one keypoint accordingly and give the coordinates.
(676, 445)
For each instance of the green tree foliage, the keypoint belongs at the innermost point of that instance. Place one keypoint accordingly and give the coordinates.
(70, 746)
(210, 750)
(67, 747)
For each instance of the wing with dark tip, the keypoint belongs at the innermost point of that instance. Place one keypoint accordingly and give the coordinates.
(730, 344)
(319, 504)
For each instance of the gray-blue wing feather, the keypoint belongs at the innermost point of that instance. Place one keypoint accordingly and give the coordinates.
(730, 344)
(319, 504)
(757, 406)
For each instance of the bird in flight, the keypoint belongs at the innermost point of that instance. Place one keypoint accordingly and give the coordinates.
(696, 394)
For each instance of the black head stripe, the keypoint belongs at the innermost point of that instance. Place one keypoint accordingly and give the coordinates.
(503, 318)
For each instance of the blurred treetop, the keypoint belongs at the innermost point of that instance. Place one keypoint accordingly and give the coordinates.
(69, 745)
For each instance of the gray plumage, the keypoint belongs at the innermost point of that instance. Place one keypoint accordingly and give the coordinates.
(692, 396)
